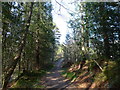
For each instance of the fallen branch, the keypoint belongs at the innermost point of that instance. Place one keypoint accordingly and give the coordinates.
(98, 65)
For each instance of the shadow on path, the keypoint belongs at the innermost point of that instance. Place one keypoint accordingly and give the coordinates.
(53, 79)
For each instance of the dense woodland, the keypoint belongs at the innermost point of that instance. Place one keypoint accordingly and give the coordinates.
(95, 40)
(29, 43)
(28, 38)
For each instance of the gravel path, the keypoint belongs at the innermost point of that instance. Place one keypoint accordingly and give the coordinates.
(53, 79)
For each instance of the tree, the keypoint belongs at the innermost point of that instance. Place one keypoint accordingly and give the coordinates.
(17, 57)
(95, 30)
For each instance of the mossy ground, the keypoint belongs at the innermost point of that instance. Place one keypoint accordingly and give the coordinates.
(69, 75)
(31, 79)
(110, 75)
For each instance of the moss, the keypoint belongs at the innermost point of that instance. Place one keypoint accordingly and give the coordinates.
(113, 74)
(69, 75)
(101, 77)
(30, 80)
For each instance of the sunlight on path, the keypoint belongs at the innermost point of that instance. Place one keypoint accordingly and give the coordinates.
(53, 79)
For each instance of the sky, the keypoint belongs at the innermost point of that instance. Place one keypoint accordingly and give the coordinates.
(61, 16)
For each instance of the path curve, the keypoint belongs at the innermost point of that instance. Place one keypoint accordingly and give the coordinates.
(54, 79)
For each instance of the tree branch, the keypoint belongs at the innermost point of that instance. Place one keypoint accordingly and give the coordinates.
(64, 6)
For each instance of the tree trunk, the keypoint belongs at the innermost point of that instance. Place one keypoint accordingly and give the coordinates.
(106, 45)
(105, 33)
(17, 58)
(19, 67)
(38, 41)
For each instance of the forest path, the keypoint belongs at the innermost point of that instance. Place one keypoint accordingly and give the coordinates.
(54, 79)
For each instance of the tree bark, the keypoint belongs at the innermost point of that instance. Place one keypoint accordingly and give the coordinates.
(17, 57)
(106, 45)
(38, 41)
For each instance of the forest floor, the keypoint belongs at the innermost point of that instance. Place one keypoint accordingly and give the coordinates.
(54, 79)
(64, 78)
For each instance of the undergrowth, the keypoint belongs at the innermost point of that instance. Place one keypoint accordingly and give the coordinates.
(69, 75)
(110, 75)
(31, 79)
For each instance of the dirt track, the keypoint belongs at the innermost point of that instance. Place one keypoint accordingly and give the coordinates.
(53, 79)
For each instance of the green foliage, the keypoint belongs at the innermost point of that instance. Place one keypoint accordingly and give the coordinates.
(37, 46)
(48, 66)
(92, 65)
(69, 75)
(30, 80)
(113, 75)
(59, 52)
(95, 36)
(100, 77)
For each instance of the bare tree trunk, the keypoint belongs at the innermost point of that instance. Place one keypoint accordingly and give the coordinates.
(17, 57)
(19, 67)
(38, 41)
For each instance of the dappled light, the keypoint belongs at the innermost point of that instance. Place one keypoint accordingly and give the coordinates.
(62, 44)
(54, 79)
